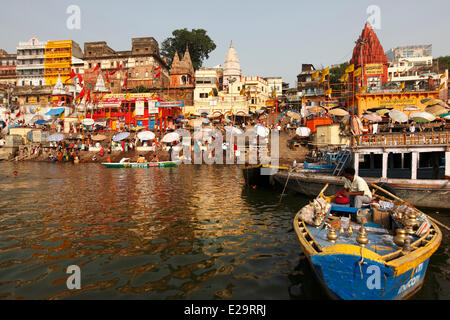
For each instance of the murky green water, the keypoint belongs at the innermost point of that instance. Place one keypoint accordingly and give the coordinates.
(193, 232)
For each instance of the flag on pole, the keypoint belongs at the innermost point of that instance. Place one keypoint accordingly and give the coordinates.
(357, 72)
(124, 85)
(71, 75)
(211, 93)
(158, 75)
(328, 92)
(117, 69)
(344, 77)
(315, 75)
(80, 79)
(350, 68)
(326, 72)
(80, 95)
(442, 86)
(443, 76)
(96, 67)
(364, 89)
(402, 86)
(242, 92)
(157, 69)
(322, 79)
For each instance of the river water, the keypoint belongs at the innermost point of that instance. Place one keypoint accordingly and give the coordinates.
(192, 232)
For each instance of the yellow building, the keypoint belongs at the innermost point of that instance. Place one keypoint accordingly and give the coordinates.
(58, 60)
(407, 102)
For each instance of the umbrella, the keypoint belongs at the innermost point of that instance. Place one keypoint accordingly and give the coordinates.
(195, 122)
(203, 134)
(99, 137)
(430, 102)
(303, 131)
(375, 117)
(205, 120)
(411, 108)
(422, 117)
(293, 115)
(436, 109)
(398, 116)
(121, 136)
(445, 116)
(339, 112)
(88, 122)
(55, 137)
(233, 130)
(316, 110)
(41, 122)
(171, 137)
(146, 135)
(262, 131)
(55, 112)
(382, 112)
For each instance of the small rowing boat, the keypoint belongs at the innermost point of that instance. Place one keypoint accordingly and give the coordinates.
(379, 252)
(164, 164)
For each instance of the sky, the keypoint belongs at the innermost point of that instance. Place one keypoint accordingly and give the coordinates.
(272, 38)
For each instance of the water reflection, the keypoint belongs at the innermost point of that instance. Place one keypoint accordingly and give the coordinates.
(193, 232)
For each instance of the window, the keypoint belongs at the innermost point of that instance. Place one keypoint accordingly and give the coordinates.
(137, 74)
(90, 65)
(203, 95)
(146, 74)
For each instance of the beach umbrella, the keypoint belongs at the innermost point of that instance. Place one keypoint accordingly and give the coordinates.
(445, 116)
(375, 117)
(262, 131)
(430, 102)
(293, 115)
(88, 122)
(411, 108)
(55, 137)
(398, 116)
(146, 135)
(121, 136)
(383, 111)
(233, 130)
(339, 112)
(436, 109)
(205, 120)
(316, 110)
(422, 117)
(171, 137)
(303, 131)
(99, 137)
(203, 134)
(39, 122)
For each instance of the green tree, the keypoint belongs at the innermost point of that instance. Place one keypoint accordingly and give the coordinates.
(337, 72)
(444, 63)
(140, 89)
(200, 45)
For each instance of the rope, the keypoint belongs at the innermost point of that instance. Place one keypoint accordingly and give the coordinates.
(361, 262)
(285, 185)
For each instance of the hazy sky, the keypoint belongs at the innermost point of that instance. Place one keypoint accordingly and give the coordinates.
(272, 38)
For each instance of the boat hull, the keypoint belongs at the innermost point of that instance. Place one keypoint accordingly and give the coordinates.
(420, 193)
(142, 165)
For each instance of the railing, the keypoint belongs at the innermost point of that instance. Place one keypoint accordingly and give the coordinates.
(402, 139)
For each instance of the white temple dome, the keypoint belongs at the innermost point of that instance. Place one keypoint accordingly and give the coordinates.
(231, 67)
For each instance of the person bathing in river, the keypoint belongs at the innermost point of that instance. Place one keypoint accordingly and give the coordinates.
(356, 188)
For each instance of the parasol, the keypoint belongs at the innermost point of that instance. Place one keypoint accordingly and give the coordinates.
(339, 112)
(233, 130)
(171, 137)
(146, 135)
(205, 120)
(375, 117)
(445, 116)
(88, 122)
(195, 122)
(422, 117)
(55, 137)
(262, 131)
(121, 136)
(303, 131)
(382, 112)
(294, 115)
(398, 116)
(316, 110)
(436, 109)
(39, 122)
(430, 102)
(99, 137)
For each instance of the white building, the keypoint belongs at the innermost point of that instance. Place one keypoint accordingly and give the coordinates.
(412, 65)
(30, 63)
(275, 83)
(231, 66)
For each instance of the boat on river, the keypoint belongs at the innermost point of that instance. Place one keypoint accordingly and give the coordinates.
(379, 252)
(164, 164)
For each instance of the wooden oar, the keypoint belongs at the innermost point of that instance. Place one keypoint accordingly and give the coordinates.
(405, 202)
(323, 190)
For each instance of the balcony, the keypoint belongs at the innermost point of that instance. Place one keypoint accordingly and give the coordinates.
(67, 54)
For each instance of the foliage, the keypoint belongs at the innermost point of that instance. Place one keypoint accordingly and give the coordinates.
(200, 45)
(140, 89)
(444, 63)
(337, 72)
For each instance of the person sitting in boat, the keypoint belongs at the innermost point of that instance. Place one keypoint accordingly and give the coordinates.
(155, 158)
(124, 160)
(141, 159)
(356, 188)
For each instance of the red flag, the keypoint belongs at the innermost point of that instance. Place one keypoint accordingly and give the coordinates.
(80, 79)
(18, 114)
(88, 96)
(117, 69)
(71, 75)
(81, 95)
(96, 67)
(107, 78)
(156, 69)
(158, 75)
(125, 81)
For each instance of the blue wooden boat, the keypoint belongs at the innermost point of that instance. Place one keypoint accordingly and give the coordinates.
(372, 263)
(328, 162)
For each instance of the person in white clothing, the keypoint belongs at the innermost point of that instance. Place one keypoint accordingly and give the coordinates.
(356, 188)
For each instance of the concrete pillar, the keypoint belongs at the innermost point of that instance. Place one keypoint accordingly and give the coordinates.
(403, 161)
(356, 162)
(384, 167)
(414, 164)
(447, 163)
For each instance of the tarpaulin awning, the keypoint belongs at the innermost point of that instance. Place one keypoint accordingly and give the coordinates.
(55, 112)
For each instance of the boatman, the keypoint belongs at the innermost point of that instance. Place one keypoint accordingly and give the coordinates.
(356, 188)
